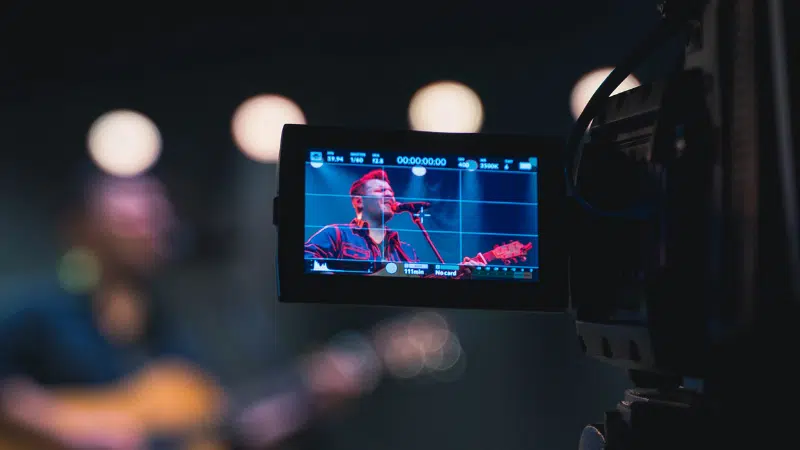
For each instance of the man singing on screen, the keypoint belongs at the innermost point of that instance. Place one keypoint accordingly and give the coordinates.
(367, 237)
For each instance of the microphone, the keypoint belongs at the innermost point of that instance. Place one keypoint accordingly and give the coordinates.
(410, 207)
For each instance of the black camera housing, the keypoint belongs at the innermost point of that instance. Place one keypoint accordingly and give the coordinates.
(549, 294)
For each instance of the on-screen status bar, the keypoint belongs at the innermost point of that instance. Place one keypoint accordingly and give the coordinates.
(319, 157)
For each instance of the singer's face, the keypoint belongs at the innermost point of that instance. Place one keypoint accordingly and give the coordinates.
(131, 220)
(378, 199)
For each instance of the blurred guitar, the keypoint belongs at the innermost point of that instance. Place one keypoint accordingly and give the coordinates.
(508, 253)
(174, 402)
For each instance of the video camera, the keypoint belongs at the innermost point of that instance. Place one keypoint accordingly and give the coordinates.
(666, 223)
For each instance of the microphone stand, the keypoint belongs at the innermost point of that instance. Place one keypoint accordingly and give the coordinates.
(417, 219)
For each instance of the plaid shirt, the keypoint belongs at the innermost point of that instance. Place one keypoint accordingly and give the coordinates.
(352, 242)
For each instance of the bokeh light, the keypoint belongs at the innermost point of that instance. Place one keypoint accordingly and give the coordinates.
(79, 270)
(425, 345)
(124, 143)
(446, 356)
(446, 106)
(258, 123)
(586, 87)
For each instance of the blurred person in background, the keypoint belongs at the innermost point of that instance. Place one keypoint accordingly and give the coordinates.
(102, 366)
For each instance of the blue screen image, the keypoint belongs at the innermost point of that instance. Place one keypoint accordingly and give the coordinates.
(379, 213)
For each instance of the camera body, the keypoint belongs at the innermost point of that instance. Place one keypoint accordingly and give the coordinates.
(644, 255)
(664, 237)
(667, 224)
(629, 267)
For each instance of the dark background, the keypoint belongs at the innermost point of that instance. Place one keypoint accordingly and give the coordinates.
(526, 384)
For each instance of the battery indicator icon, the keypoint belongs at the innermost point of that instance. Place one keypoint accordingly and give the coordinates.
(524, 165)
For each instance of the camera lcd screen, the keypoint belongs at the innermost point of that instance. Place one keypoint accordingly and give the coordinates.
(420, 219)
(421, 215)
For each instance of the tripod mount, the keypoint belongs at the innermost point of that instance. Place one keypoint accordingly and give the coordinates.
(651, 419)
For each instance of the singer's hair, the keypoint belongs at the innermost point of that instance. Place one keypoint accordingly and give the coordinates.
(357, 188)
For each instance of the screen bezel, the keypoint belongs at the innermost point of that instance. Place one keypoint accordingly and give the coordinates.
(296, 286)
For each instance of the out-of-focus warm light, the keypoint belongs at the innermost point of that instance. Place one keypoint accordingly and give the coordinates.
(446, 106)
(404, 359)
(454, 373)
(422, 345)
(258, 124)
(429, 331)
(79, 270)
(446, 357)
(365, 362)
(588, 84)
(124, 143)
